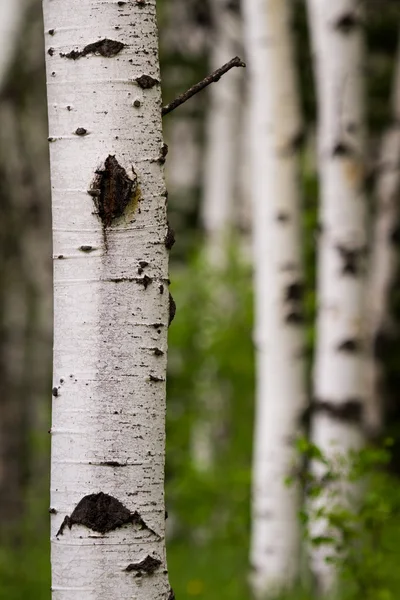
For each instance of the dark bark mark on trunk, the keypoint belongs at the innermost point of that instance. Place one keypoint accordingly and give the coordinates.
(295, 318)
(171, 309)
(157, 351)
(341, 148)
(169, 238)
(102, 513)
(107, 48)
(163, 155)
(155, 379)
(81, 131)
(352, 259)
(347, 23)
(112, 463)
(282, 217)
(146, 82)
(350, 345)
(171, 594)
(148, 565)
(294, 293)
(350, 410)
(112, 190)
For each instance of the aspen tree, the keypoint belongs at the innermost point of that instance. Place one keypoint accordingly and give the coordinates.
(384, 255)
(111, 300)
(279, 334)
(217, 214)
(340, 360)
(11, 14)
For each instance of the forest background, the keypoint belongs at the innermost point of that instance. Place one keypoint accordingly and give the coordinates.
(209, 510)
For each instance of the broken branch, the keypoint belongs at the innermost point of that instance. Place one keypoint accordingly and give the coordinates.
(234, 62)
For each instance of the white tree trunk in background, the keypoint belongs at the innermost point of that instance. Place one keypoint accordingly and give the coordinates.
(279, 332)
(339, 371)
(110, 301)
(11, 13)
(384, 256)
(220, 182)
(222, 135)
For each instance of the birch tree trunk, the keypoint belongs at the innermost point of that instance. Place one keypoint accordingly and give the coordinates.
(217, 215)
(279, 332)
(110, 300)
(11, 14)
(384, 256)
(25, 267)
(340, 360)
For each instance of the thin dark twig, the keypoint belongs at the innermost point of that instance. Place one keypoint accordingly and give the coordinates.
(235, 62)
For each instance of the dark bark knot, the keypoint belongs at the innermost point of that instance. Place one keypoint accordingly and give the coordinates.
(169, 238)
(81, 131)
(112, 190)
(349, 411)
(107, 48)
(102, 513)
(294, 300)
(171, 309)
(352, 259)
(146, 82)
(351, 346)
(148, 566)
(347, 23)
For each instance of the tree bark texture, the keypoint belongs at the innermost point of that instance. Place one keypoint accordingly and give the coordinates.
(279, 322)
(340, 361)
(384, 257)
(111, 300)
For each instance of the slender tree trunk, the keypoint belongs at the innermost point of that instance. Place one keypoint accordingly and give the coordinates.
(11, 14)
(279, 332)
(384, 256)
(217, 212)
(222, 135)
(340, 360)
(25, 267)
(110, 301)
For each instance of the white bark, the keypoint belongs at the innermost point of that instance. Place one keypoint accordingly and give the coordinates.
(384, 255)
(110, 302)
(222, 135)
(340, 361)
(279, 333)
(217, 213)
(11, 13)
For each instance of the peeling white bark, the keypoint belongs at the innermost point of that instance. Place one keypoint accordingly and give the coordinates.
(384, 255)
(279, 333)
(110, 302)
(340, 361)
(11, 13)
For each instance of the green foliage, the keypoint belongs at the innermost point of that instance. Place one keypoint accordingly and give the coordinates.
(361, 510)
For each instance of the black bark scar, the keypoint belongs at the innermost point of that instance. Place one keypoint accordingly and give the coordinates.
(102, 513)
(146, 82)
(148, 565)
(106, 47)
(171, 309)
(350, 411)
(112, 190)
(169, 238)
